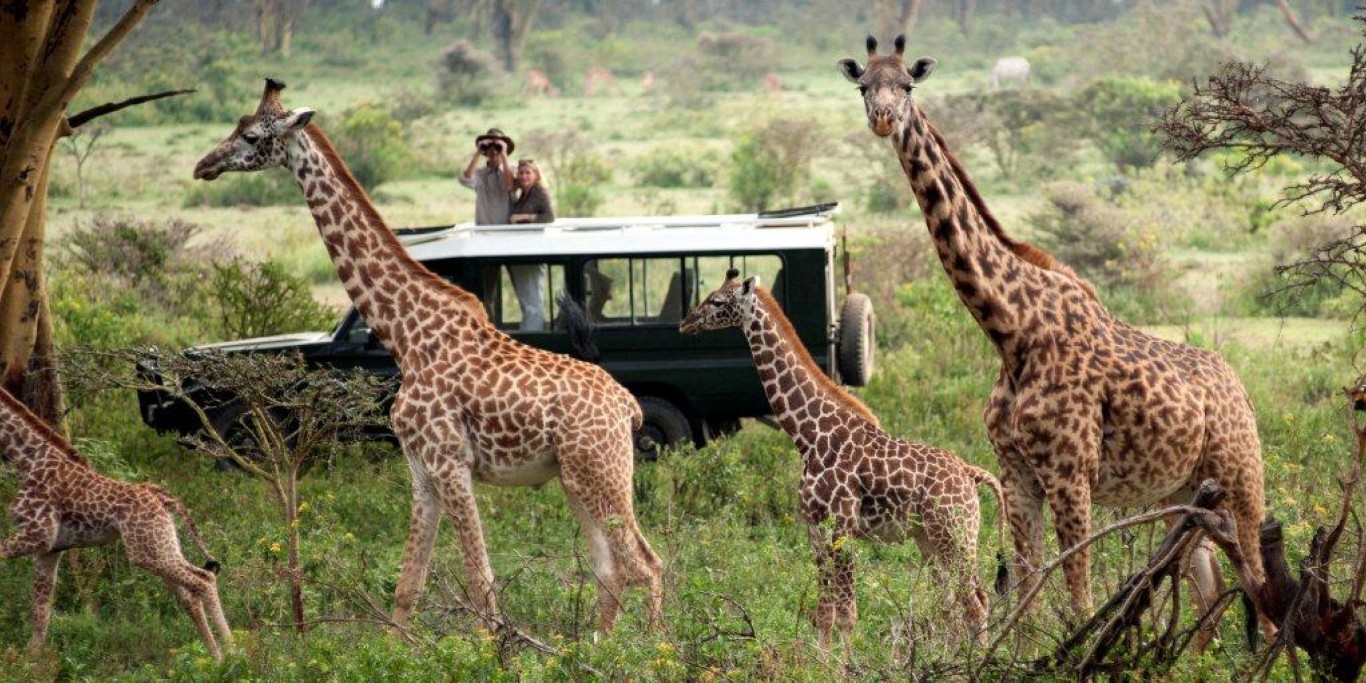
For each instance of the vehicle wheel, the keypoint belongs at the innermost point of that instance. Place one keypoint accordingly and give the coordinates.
(665, 426)
(719, 429)
(857, 340)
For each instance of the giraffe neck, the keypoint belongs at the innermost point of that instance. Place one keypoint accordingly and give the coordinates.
(987, 268)
(26, 441)
(388, 286)
(806, 402)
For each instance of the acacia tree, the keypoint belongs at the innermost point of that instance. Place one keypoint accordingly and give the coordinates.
(44, 69)
(1244, 109)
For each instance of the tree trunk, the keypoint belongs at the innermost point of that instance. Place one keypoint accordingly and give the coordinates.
(1294, 21)
(965, 10)
(44, 70)
(1220, 15)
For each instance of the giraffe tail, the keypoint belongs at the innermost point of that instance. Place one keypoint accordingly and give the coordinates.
(580, 329)
(981, 476)
(177, 508)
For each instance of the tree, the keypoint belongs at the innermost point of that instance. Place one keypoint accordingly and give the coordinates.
(44, 70)
(511, 23)
(275, 22)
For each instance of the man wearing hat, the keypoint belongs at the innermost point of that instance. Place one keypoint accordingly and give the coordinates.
(492, 183)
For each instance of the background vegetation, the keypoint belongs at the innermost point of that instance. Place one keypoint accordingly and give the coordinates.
(744, 109)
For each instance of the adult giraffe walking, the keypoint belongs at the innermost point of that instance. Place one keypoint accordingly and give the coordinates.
(474, 404)
(1086, 409)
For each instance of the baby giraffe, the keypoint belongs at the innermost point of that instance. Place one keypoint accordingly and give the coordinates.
(857, 482)
(62, 503)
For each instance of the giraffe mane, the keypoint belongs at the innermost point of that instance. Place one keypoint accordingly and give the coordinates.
(371, 215)
(38, 425)
(1024, 250)
(789, 332)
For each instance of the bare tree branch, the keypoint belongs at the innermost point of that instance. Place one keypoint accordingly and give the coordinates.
(84, 117)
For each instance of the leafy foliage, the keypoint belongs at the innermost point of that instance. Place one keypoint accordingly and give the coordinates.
(272, 187)
(256, 299)
(467, 75)
(1030, 132)
(373, 143)
(576, 170)
(1121, 112)
(772, 163)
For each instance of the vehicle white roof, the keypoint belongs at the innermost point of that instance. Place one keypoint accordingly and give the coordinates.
(629, 234)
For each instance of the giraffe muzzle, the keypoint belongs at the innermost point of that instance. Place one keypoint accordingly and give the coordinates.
(882, 123)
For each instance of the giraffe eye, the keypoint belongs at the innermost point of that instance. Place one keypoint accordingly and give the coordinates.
(908, 88)
(863, 89)
(250, 138)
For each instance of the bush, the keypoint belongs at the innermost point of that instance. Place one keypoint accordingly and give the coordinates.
(467, 75)
(373, 143)
(1030, 132)
(734, 60)
(256, 299)
(1120, 112)
(274, 187)
(576, 170)
(670, 167)
(1292, 241)
(1115, 248)
(773, 162)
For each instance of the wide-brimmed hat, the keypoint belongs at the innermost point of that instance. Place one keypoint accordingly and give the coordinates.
(495, 134)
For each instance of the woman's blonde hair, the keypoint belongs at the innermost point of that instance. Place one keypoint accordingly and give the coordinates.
(540, 179)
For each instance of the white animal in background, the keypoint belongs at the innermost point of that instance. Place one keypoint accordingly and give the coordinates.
(1010, 71)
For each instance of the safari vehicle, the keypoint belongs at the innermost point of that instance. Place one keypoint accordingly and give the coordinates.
(635, 278)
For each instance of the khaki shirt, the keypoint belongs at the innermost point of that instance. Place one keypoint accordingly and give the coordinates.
(492, 203)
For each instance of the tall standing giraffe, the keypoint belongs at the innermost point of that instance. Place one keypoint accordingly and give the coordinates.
(857, 481)
(63, 503)
(474, 404)
(1086, 409)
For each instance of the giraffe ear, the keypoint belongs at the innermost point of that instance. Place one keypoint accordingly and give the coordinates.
(851, 69)
(298, 118)
(921, 70)
(748, 286)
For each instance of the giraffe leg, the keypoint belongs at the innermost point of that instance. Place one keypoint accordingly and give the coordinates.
(195, 608)
(1071, 505)
(417, 554)
(607, 498)
(1024, 499)
(610, 583)
(836, 606)
(44, 579)
(37, 533)
(213, 607)
(457, 498)
(950, 543)
(1207, 583)
(823, 618)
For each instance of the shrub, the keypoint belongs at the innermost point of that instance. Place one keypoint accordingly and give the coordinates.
(576, 170)
(255, 299)
(1120, 112)
(373, 143)
(1292, 241)
(734, 60)
(1115, 248)
(466, 74)
(885, 257)
(1030, 132)
(273, 187)
(671, 167)
(773, 162)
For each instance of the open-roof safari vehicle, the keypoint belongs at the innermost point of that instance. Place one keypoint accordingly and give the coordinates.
(635, 278)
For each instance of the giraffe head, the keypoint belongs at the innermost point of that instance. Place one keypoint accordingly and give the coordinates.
(728, 306)
(259, 141)
(886, 84)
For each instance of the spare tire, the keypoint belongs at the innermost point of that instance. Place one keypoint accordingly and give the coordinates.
(857, 340)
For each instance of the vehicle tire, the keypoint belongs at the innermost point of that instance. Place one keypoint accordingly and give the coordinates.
(664, 426)
(857, 340)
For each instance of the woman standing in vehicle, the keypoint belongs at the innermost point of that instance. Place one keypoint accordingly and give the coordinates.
(532, 202)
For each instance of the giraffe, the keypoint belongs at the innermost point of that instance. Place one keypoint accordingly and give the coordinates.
(63, 503)
(473, 404)
(857, 481)
(1086, 409)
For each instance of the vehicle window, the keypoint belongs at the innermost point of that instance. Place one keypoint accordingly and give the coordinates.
(711, 272)
(522, 296)
(660, 291)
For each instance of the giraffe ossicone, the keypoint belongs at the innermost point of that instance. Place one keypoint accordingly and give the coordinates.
(857, 481)
(63, 503)
(1086, 408)
(474, 404)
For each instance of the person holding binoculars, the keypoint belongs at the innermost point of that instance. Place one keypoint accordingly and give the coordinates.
(493, 182)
